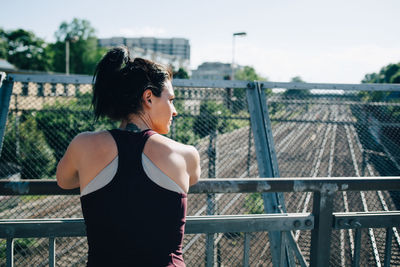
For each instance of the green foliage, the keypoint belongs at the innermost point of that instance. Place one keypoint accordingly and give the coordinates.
(292, 92)
(387, 74)
(61, 122)
(3, 44)
(25, 50)
(254, 203)
(182, 128)
(212, 118)
(395, 78)
(80, 28)
(84, 50)
(22, 246)
(248, 74)
(181, 74)
(26, 147)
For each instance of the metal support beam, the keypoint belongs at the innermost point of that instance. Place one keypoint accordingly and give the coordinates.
(321, 234)
(267, 164)
(357, 249)
(246, 250)
(10, 252)
(52, 252)
(258, 113)
(6, 85)
(388, 246)
(212, 209)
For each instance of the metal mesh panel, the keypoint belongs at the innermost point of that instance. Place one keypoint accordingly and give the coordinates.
(328, 134)
(339, 134)
(44, 117)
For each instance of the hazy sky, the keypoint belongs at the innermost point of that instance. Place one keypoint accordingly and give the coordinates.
(322, 41)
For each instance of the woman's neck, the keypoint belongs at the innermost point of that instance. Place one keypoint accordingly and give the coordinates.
(134, 123)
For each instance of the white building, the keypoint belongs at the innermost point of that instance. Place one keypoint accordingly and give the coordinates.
(172, 51)
(214, 71)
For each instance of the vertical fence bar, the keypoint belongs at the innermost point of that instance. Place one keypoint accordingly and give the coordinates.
(357, 248)
(6, 85)
(296, 249)
(388, 246)
(264, 161)
(283, 249)
(246, 252)
(321, 234)
(52, 252)
(267, 162)
(10, 252)
(249, 151)
(210, 250)
(211, 202)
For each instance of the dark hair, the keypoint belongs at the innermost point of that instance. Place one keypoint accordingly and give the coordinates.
(119, 83)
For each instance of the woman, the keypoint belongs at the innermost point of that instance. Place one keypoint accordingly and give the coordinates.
(133, 180)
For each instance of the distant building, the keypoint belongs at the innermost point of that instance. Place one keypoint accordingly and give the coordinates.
(213, 71)
(173, 51)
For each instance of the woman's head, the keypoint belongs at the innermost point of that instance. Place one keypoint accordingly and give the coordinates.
(120, 84)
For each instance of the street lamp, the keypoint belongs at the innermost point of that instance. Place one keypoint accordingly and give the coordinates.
(68, 39)
(233, 51)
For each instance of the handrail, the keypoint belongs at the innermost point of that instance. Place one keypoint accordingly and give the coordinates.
(25, 228)
(229, 185)
(65, 227)
(321, 221)
(87, 79)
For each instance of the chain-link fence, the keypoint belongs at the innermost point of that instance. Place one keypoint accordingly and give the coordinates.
(338, 133)
(324, 133)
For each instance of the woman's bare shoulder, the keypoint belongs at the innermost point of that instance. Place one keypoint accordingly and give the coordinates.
(178, 161)
(93, 141)
(166, 144)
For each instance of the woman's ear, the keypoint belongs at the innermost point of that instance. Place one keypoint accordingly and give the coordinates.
(147, 96)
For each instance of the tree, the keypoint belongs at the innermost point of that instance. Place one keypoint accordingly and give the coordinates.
(25, 146)
(25, 50)
(60, 122)
(80, 28)
(84, 50)
(247, 73)
(293, 92)
(181, 74)
(395, 78)
(3, 44)
(385, 75)
(213, 117)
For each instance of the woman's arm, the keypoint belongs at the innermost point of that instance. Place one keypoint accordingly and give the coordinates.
(193, 165)
(67, 168)
(178, 161)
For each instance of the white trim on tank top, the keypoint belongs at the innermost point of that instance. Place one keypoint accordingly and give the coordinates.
(153, 172)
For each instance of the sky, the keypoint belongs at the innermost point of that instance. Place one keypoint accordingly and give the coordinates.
(321, 41)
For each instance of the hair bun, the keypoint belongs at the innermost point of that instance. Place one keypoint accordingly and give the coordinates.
(115, 58)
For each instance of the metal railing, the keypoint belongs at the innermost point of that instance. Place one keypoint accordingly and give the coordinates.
(241, 129)
(322, 221)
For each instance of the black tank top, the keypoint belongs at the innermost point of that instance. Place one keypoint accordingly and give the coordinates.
(132, 221)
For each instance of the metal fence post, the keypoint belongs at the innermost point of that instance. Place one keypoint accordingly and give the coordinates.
(6, 85)
(52, 252)
(266, 159)
(321, 234)
(211, 202)
(10, 252)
